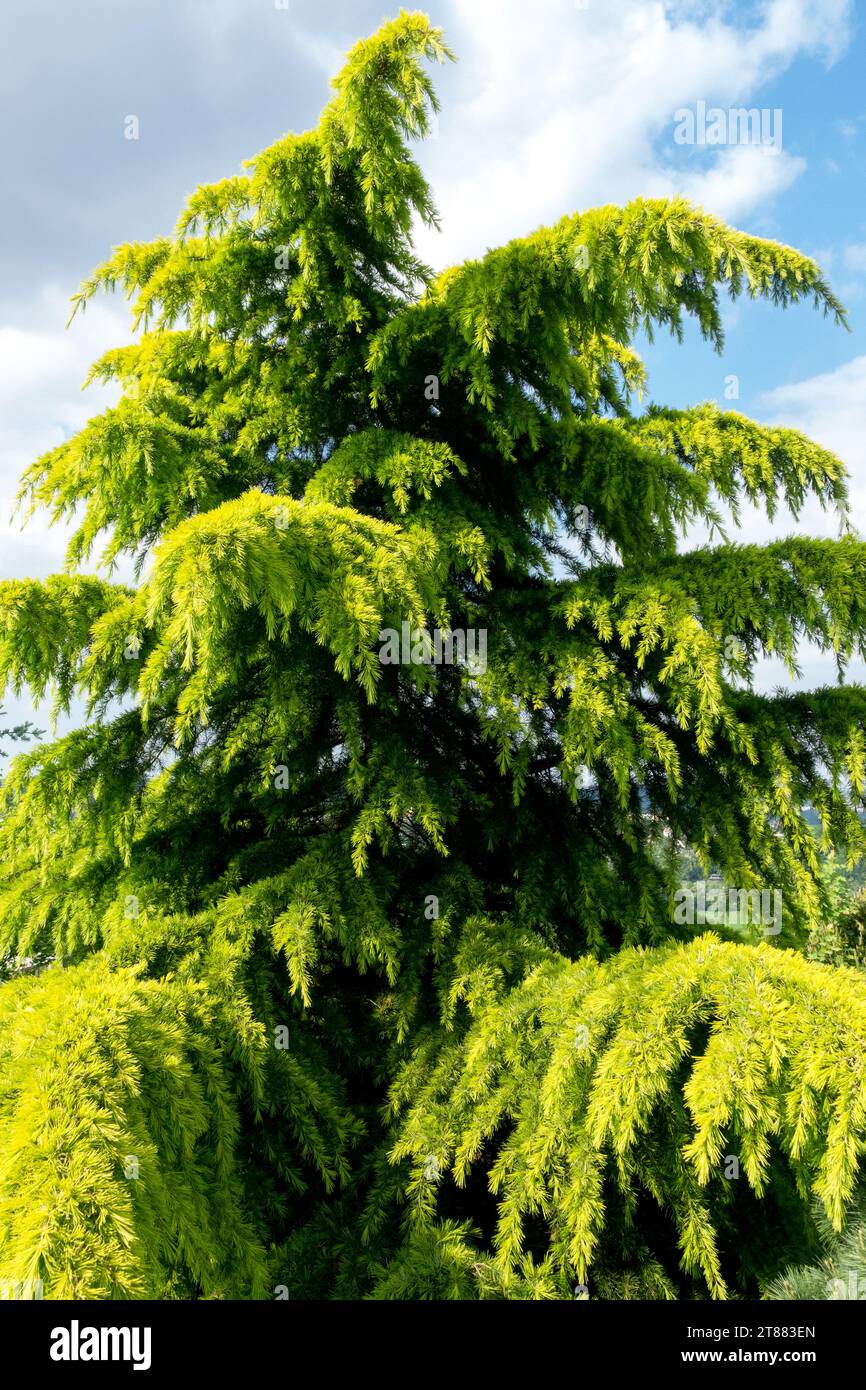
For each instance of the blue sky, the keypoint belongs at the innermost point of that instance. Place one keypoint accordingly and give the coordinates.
(553, 106)
(822, 211)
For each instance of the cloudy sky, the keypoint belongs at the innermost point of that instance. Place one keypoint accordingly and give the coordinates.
(553, 106)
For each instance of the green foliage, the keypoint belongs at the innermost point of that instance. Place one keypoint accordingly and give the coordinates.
(119, 1174)
(841, 1274)
(600, 1082)
(13, 965)
(840, 939)
(19, 733)
(324, 927)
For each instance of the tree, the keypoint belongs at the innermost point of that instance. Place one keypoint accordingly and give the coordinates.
(840, 939)
(841, 1273)
(367, 975)
(18, 733)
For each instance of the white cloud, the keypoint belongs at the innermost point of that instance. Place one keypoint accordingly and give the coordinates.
(42, 370)
(560, 108)
(288, 27)
(740, 179)
(553, 107)
(41, 404)
(855, 256)
(831, 410)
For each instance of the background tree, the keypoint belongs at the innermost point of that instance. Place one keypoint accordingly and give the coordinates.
(841, 1273)
(840, 938)
(17, 733)
(367, 977)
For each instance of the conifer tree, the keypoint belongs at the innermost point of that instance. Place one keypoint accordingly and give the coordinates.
(366, 976)
(841, 1274)
(17, 733)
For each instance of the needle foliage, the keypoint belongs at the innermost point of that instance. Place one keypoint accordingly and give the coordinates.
(367, 979)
